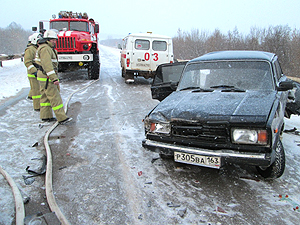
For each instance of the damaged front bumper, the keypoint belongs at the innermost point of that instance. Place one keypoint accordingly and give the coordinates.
(226, 155)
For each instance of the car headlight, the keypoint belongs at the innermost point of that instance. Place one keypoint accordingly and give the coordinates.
(249, 136)
(157, 127)
(85, 47)
(163, 128)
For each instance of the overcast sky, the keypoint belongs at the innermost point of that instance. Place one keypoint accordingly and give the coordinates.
(117, 18)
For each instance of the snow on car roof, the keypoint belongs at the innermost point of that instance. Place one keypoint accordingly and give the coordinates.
(147, 35)
(231, 55)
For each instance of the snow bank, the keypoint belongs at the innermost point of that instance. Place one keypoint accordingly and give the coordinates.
(13, 76)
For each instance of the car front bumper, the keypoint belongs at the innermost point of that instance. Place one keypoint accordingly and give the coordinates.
(226, 155)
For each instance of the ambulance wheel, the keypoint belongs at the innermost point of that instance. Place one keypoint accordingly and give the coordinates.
(123, 72)
(129, 77)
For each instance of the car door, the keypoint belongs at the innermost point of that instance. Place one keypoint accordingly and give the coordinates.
(166, 79)
(293, 101)
(159, 52)
(140, 58)
(293, 104)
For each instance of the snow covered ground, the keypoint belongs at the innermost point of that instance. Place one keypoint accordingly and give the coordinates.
(13, 77)
(16, 142)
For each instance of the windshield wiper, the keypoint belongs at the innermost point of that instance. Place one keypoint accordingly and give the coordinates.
(187, 88)
(197, 89)
(222, 86)
(228, 88)
(203, 90)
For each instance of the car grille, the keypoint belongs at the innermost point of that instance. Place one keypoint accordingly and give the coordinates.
(204, 133)
(66, 43)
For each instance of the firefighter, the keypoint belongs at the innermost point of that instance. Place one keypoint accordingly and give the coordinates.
(34, 93)
(46, 58)
(29, 94)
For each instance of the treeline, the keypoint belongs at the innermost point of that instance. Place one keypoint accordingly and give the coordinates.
(281, 40)
(13, 39)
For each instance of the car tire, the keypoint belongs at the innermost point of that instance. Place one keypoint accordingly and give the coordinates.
(276, 169)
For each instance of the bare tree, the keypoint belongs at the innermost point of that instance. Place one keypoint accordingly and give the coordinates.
(277, 39)
(13, 39)
(295, 53)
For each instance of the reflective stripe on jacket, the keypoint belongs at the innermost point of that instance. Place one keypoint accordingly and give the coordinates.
(46, 57)
(29, 59)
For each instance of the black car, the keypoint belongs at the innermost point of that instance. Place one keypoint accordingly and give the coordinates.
(228, 108)
(166, 79)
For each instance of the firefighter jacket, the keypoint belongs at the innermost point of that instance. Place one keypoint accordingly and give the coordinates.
(46, 58)
(29, 59)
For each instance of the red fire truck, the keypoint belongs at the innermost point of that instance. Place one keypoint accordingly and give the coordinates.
(77, 44)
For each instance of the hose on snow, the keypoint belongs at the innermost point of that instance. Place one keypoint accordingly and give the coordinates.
(20, 212)
(48, 182)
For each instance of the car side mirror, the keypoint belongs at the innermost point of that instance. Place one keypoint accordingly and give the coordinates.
(41, 27)
(119, 46)
(285, 86)
(96, 28)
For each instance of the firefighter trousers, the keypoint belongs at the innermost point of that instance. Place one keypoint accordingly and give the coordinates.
(51, 100)
(34, 91)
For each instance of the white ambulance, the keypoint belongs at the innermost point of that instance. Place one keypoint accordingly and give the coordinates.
(141, 53)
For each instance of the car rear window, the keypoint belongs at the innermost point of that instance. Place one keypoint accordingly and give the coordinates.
(159, 45)
(141, 44)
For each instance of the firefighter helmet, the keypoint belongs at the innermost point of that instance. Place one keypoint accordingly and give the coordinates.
(29, 39)
(50, 34)
(35, 37)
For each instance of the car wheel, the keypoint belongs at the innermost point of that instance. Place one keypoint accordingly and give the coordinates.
(276, 169)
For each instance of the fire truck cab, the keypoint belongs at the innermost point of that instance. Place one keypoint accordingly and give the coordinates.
(141, 53)
(77, 44)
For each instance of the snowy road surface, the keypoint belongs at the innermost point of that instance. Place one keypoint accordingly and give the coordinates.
(103, 175)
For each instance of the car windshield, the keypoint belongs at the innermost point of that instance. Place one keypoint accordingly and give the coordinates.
(244, 75)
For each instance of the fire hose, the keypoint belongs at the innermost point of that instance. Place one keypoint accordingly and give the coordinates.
(20, 212)
(19, 205)
(48, 183)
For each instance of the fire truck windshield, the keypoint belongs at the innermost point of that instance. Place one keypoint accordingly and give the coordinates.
(79, 26)
(59, 25)
(74, 25)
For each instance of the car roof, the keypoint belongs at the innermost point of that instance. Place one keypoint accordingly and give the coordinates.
(147, 35)
(235, 55)
(173, 64)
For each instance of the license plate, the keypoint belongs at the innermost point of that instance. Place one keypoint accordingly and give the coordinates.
(199, 160)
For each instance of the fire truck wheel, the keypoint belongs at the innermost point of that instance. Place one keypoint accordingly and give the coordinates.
(93, 70)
